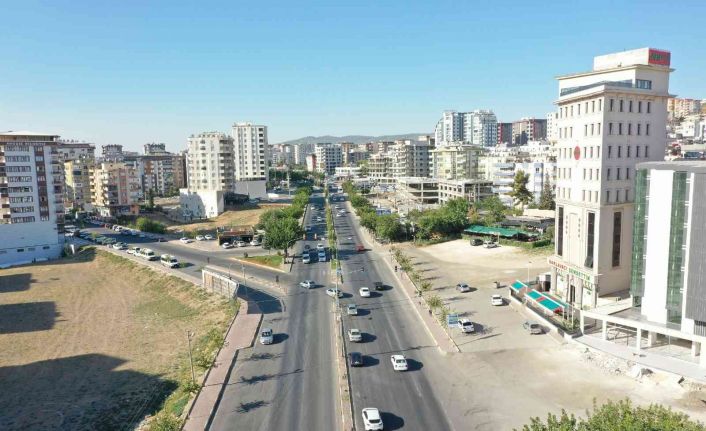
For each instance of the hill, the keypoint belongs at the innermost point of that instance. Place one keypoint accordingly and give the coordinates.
(356, 139)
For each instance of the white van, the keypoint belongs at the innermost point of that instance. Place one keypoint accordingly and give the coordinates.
(148, 254)
(266, 336)
(169, 261)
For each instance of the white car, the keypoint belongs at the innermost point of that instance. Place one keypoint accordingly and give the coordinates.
(119, 246)
(208, 237)
(200, 238)
(354, 335)
(463, 287)
(466, 326)
(364, 292)
(254, 243)
(320, 246)
(333, 292)
(133, 250)
(371, 419)
(240, 244)
(490, 244)
(185, 240)
(399, 362)
(306, 258)
(352, 310)
(227, 245)
(307, 284)
(266, 336)
(496, 300)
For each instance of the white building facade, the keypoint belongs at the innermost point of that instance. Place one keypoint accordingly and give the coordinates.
(609, 119)
(328, 158)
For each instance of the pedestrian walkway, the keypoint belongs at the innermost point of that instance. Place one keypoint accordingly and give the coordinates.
(678, 367)
(240, 335)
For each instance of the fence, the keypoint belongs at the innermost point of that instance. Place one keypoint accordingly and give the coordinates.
(220, 284)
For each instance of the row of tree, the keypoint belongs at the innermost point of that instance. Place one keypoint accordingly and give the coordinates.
(281, 226)
(385, 226)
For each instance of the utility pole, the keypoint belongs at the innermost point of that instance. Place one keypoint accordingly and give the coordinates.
(191, 359)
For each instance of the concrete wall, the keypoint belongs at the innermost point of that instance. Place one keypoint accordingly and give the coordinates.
(254, 189)
(27, 242)
(201, 204)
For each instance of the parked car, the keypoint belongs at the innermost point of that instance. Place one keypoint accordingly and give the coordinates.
(266, 336)
(120, 246)
(497, 300)
(185, 240)
(320, 246)
(148, 254)
(332, 292)
(240, 244)
(476, 242)
(354, 335)
(463, 287)
(399, 362)
(532, 327)
(208, 237)
(306, 258)
(169, 261)
(322, 256)
(200, 238)
(466, 326)
(254, 243)
(355, 359)
(379, 286)
(227, 245)
(364, 292)
(307, 284)
(490, 244)
(134, 251)
(352, 310)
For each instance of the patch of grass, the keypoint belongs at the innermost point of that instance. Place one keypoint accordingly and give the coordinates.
(272, 260)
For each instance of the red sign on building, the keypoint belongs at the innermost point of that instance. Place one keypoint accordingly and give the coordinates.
(660, 58)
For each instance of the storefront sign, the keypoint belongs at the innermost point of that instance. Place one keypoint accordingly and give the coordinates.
(571, 270)
(662, 58)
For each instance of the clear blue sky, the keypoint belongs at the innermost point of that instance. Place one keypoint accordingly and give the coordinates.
(139, 71)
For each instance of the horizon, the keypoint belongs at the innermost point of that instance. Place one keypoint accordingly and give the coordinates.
(160, 72)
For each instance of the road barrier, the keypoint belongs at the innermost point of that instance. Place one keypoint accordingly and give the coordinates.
(217, 283)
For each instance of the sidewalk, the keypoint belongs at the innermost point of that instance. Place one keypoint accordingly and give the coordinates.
(649, 360)
(240, 335)
(443, 341)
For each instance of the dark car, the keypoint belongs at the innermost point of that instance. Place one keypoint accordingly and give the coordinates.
(379, 286)
(476, 242)
(356, 359)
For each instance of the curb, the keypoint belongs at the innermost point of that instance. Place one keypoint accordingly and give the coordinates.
(259, 265)
(347, 417)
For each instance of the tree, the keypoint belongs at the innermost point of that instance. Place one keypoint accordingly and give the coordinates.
(388, 226)
(364, 171)
(150, 199)
(520, 194)
(281, 233)
(546, 199)
(617, 416)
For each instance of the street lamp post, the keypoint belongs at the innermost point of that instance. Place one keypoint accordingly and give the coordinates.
(191, 360)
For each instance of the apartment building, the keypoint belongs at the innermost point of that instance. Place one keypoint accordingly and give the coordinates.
(471, 190)
(117, 188)
(74, 150)
(678, 107)
(162, 174)
(610, 118)
(551, 126)
(455, 161)
(250, 148)
(504, 134)
(380, 168)
(31, 198)
(301, 151)
(210, 162)
(78, 179)
(449, 128)
(528, 129)
(112, 153)
(328, 157)
(479, 127)
(311, 162)
(409, 159)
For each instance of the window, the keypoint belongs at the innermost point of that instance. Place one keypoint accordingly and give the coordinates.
(617, 227)
(572, 110)
(599, 128)
(638, 129)
(593, 129)
(611, 105)
(590, 239)
(647, 129)
(621, 105)
(591, 152)
(637, 151)
(620, 128)
(560, 231)
(584, 173)
(607, 196)
(645, 84)
(630, 106)
(649, 107)
(617, 174)
(595, 196)
(610, 128)
(585, 130)
(593, 106)
(647, 151)
(600, 105)
(620, 151)
(617, 196)
(578, 109)
(629, 128)
(639, 106)
(627, 173)
(610, 151)
(628, 155)
(607, 174)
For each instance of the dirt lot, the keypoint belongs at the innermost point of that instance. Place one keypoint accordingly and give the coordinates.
(246, 216)
(95, 342)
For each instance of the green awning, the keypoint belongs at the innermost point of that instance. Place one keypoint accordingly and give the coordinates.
(497, 231)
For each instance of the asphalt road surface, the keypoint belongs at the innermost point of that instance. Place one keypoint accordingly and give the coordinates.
(406, 400)
(290, 384)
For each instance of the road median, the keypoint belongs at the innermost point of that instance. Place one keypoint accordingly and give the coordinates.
(343, 382)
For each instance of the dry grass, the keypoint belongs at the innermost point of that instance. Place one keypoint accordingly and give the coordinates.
(95, 342)
(249, 216)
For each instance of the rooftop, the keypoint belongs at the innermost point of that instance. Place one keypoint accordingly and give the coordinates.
(695, 166)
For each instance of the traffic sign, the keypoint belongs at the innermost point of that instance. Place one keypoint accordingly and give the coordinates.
(451, 319)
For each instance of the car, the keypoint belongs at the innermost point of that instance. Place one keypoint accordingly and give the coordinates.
(333, 292)
(240, 244)
(379, 286)
(227, 245)
(307, 246)
(466, 326)
(306, 258)
(169, 261)
(200, 238)
(476, 242)
(532, 327)
(497, 300)
(208, 237)
(339, 215)
(352, 310)
(322, 256)
(266, 336)
(254, 243)
(307, 284)
(350, 238)
(319, 219)
(399, 362)
(185, 240)
(371, 419)
(133, 250)
(364, 292)
(354, 335)
(355, 359)
(120, 246)
(463, 287)
(490, 244)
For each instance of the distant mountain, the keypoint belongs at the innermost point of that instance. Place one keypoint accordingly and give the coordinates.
(356, 139)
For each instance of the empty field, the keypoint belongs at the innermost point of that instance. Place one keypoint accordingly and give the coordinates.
(98, 342)
(249, 215)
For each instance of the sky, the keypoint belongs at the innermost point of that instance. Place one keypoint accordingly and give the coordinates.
(132, 72)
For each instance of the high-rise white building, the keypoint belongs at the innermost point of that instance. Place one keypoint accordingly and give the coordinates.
(328, 157)
(609, 119)
(209, 162)
(410, 159)
(449, 128)
(31, 198)
(551, 126)
(480, 128)
(455, 162)
(301, 151)
(250, 152)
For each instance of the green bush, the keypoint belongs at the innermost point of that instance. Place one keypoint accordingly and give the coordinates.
(165, 422)
(147, 225)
